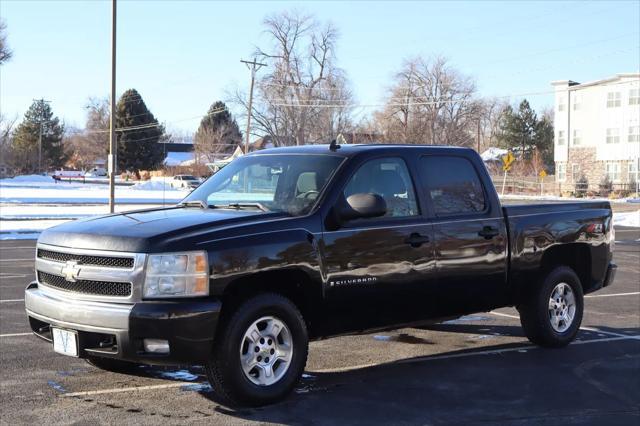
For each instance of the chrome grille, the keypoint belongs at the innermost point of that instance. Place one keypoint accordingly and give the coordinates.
(99, 288)
(83, 259)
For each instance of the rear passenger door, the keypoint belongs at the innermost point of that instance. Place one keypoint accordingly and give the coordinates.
(470, 234)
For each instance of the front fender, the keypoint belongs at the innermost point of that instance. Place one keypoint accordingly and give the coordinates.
(239, 257)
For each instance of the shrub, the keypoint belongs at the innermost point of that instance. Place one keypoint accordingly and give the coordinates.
(606, 186)
(582, 186)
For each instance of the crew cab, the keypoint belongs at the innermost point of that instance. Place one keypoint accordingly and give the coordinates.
(287, 245)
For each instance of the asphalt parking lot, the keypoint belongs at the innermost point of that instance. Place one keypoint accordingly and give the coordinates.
(479, 369)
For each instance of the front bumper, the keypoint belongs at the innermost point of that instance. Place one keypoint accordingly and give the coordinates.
(117, 330)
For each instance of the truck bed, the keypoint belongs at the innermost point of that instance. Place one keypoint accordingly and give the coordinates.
(578, 234)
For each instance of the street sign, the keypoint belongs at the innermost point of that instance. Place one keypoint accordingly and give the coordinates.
(543, 174)
(507, 160)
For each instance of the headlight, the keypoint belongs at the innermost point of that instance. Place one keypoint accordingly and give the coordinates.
(177, 275)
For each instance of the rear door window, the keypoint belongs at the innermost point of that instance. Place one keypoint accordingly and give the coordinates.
(452, 184)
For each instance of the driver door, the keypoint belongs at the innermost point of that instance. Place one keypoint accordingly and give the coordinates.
(379, 268)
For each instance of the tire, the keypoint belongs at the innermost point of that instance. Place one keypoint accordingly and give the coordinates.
(547, 316)
(113, 365)
(236, 349)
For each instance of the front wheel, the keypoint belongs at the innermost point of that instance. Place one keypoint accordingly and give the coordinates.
(552, 315)
(260, 353)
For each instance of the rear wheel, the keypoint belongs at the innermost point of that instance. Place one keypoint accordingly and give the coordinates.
(552, 315)
(260, 353)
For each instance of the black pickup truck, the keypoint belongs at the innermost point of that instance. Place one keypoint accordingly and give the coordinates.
(287, 245)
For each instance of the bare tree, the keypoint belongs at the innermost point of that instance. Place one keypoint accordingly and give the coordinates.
(5, 52)
(431, 103)
(218, 134)
(213, 144)
(6, 148)
(490, 123)
(303, 98)
(92, 143)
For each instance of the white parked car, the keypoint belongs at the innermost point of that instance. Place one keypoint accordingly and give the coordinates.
(185, 181)
(96, 172)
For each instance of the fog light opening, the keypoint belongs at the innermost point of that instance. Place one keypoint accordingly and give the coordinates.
(156, 346)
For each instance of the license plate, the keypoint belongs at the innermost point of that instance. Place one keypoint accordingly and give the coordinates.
(65, 342)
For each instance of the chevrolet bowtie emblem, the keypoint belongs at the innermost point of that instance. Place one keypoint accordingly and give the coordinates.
(70, 271)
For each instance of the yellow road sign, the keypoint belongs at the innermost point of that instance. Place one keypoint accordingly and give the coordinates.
(507, 160)
(543, 173)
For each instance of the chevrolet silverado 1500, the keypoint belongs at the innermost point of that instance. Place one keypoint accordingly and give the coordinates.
(287, 245)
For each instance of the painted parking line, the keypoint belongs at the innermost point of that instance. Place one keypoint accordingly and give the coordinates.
(610, 333)
(15, 334)
(591, 329)
(500, 314)
(18, 248)
(129, 389)
(522, 348)
(613, 294)
(11, 300)
(343, 369)
(514, 349)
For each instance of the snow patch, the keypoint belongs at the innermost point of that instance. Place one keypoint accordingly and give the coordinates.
(631, 219)
(28, 178)
(153, 185)
(19, 236)
(27, 226)
(547, 197)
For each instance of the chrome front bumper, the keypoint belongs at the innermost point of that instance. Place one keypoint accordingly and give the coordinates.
(91, 316)
(117, 330)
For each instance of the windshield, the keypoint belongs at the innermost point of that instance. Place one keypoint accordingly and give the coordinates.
(276, 183)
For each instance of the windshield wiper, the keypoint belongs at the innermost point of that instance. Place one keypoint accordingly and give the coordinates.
(194, 203)
(239, 206)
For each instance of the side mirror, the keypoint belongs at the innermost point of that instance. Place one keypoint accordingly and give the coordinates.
(362, 206)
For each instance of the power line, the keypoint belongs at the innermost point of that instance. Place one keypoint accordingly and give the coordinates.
(437, 102)
(560, 49)
(300, 86)
(153, 125)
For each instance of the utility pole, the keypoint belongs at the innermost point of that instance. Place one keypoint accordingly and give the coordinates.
(478, 136)
(253, 67)
(42, 102)
(112, 113)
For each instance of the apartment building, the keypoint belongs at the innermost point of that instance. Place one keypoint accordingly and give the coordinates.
(597, 131)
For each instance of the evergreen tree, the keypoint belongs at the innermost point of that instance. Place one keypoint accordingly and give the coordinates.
(543, 140)
(26, 141)
(519, 129)
(218, 133)
(138, 134)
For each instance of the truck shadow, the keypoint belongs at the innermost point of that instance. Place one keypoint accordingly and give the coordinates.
(492, 383)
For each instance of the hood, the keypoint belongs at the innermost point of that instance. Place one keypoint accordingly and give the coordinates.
(147, 231)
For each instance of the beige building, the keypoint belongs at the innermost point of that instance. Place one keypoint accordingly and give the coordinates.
(597, 131)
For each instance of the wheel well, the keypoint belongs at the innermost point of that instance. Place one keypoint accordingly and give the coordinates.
(577, 256)
(295, 285)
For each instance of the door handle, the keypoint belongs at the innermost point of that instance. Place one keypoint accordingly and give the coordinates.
(416, 240)
(488, 232)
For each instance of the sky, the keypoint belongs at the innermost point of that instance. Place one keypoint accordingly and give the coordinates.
(184, 55)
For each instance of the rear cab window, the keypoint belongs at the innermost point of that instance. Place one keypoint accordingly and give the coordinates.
(452, 186)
